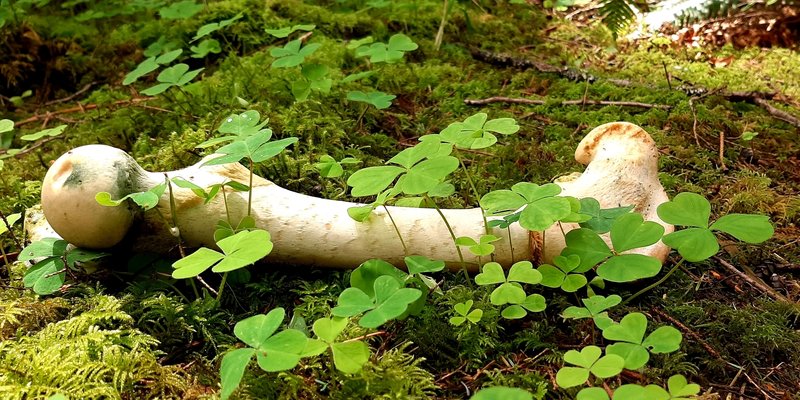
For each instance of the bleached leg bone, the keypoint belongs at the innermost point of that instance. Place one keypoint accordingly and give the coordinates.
(621, 169)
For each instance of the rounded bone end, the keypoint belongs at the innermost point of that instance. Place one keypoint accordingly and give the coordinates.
(69, 189)
(624, 138)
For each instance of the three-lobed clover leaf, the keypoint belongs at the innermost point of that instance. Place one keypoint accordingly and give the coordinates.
(330, 168)
(421, 264)
(379, 100)
(390, 301)
(477, 131)
(256, 148)
(543, 206)
(286, 31)
(677, 389)
(697, 242)
(292, 54)
(418, 170)
(390, 52)
(176, 75)
(180, 10)
(510, 290)
(205, 47)
(50, 132)
(348, 357)
(464, 313)
(315, 78)
(480, 248)
(502, 392)
(628, 232)
(48, 274)
(151, 64)
(560, 276)
(588, 361)
(632, 344)
(274, 351)
(600, 218)
(592, 393)
(239, 250)
(595, 308)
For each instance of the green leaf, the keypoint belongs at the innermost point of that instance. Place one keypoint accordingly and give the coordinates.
(608, 366)
(513, 312)
(47, 247)
(630, 231)
(573, 282)
(214, 26)
(328, 329)
(195, 263)
(501, 202)
(286, 31)
(180, 10)
(82, 255)
(157, 89)
(680, 389)
(357, 76)
(232, 370)
(632, 392)
(11, 219)
(505, 126)
(205, 47)
(502, 393)
(552, 277)
(597, 304)
(365, 275)
(145, 67)
(44, 276)
(391, 302)
(44, 133)
(568, 377)
(693, 244)
(350, 357)
(352, 301)
(523, 272)
(360, 213)
(592, 393)
(392, 52)
(356, 43)
(422, 265)
(588, 245)
(427, 174)
(281, 351)
(535, 303)
(745, 227)
(629, 267)
(687, 209)
(379, 100)
(244, 124)
(168, 57)
(635, 355)
(255, 330)
(6, 125)
(542, 213)
(243, 249)
(492, 273)
(630, 329)
(665, 339)
(601, 219)
(292, 54)
(372, 180)
(507, 293)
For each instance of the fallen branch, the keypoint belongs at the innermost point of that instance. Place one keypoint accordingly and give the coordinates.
(689, 332)
(81, 108)
(754, 282)
(72, 96)
(516, 100)
(777, 113)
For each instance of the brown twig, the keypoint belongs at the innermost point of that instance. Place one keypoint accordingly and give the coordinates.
(72, 96)
(689, 332)
(694, 120)
(26, 150)
(81, 108)
(722, 150)
(779, 114)
(756, 283)
(515, 100)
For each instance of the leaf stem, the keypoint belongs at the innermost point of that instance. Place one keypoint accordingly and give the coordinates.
(453, 236)
(250, 192)
(656, 283)
(396, 229)
(222, 286)
(475, 192)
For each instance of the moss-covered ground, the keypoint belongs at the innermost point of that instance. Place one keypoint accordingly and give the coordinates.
(114, 334)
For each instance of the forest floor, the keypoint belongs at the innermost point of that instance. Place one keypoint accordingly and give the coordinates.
(724, 119)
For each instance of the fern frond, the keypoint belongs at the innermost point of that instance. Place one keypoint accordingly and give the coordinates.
(617, 14)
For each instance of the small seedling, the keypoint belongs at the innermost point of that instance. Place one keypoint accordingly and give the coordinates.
(285, 32)
(560, 276)
(177, 75)
(390, 52)
(180, 10)
(595, 308)
(205, 47)
(378, 100)
(464, 313)
(348, 356)
(328, 167)
(698, 242)
(391, 300)
(477, 131)
(588, 361)
(151, 64)
(314, 79)
(292, 54)
(632, 344)
(510, 290)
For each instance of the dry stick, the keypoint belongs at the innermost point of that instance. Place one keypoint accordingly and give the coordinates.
(688, 331)
(694, 121)
(760, 285)
(516, 100)
(72, 96)
(722, 151)
(26, 150)
(81, 108)
(779, 114)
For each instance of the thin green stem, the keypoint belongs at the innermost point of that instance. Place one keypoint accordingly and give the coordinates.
(225, 201)
(250, 192)
(453, 236)
(222, 286)
(510, 244)
(396, 229)
(194, 289)
(475, 192)
(656, 283)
